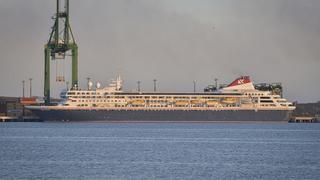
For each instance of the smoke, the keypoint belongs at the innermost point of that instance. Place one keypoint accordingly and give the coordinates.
(174, 41)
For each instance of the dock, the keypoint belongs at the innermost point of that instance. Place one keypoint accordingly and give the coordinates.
(303, 119)
(19, 119)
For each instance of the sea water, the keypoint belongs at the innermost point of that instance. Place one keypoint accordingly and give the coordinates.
(159, 151)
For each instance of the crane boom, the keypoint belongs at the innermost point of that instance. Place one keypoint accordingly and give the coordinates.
(60, 41)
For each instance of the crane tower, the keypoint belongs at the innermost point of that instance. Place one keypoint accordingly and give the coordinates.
(61, 42)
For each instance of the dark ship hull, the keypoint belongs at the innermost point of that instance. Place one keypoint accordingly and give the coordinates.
(148, 115)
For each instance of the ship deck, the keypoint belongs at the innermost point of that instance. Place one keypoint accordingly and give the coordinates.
(159, 108)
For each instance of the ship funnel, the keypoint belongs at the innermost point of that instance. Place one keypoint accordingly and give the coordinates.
(90, 84)
(119, 82)
(242, 83)
(98, 85)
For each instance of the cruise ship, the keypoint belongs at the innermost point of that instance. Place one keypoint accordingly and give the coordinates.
(238, 102)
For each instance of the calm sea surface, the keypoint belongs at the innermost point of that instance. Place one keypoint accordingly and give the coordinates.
(159, 151)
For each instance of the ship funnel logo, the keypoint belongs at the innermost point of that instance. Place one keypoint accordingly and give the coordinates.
(240, 81)
(243, 82)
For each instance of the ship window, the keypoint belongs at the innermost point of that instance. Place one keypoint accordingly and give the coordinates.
(266, 101)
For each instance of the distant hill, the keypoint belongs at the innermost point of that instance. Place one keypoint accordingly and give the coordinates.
(307, 109)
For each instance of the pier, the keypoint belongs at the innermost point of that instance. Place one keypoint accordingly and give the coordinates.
(19, 119)
(303, 119)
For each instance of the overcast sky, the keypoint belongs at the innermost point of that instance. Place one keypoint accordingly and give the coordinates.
(174, 41)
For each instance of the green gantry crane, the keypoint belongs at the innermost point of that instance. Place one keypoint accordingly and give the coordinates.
(60, 42)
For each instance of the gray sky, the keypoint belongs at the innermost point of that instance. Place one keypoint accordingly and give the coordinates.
(175, 41)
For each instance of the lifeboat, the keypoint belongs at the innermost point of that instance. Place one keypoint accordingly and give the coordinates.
(137, 102)
(196, 102)
(212, 102)
(229, 100)
(181, 103)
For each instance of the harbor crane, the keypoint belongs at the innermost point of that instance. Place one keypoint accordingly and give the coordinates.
(61, 41)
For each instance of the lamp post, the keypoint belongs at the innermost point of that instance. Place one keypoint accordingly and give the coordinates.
(23, 82)
(194, 86)
(154, 85)
(30, 79)
(216, 83)
(88, 83)
(139, 82)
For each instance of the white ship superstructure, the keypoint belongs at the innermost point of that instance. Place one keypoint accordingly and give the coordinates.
(240, 94)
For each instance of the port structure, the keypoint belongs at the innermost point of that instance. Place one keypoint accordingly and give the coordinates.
(61, 42)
